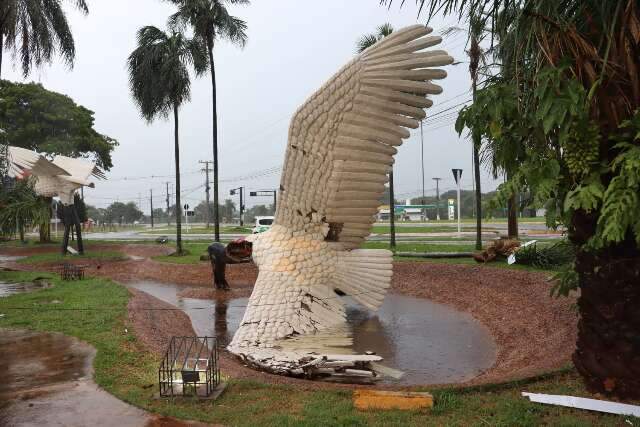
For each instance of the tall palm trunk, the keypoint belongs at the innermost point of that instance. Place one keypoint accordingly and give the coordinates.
(178, 202)
(474, 62)
(45, 227)
(476, 171)
(20, 224)
(512, 217)
(1, 49)
(608, 348)
(216, 212)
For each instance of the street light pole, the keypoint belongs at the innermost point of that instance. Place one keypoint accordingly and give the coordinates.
(233, 193)
(206, 170)
(457, 174)
(424, 214)
(392, 211)
(437, 180)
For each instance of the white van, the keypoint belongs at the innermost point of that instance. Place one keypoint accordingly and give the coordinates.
(263, 223)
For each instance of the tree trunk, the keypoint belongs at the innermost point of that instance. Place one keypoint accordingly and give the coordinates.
(45, 227)
(178, 202)
(475, 54)
(512, 217)
(392, 212)
(216, 210)
(476, 171)
(45, 232)
(1, 49)
(608, 348)
(21, 230)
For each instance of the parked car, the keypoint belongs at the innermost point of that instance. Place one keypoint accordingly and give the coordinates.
(263, 223)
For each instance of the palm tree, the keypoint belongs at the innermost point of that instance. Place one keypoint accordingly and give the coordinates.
(160, 84)
(363, 44)
(572, 69)
(475, 53)
(210, 21)
(21, 207)
(36, 30)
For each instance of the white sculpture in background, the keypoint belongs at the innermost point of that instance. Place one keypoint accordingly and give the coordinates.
(340, 151)
(61, 178)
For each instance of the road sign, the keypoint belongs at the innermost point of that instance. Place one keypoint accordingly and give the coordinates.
(186, 207)
(457, 174)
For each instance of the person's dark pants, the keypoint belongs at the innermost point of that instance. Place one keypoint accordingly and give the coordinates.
(70, 219)
(218, 255)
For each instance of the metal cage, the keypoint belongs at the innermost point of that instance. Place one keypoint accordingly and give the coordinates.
(189, 367)
(71, 272)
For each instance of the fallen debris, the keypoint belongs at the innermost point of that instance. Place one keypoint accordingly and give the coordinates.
(497, 248)
(584, 403)
(351, 368)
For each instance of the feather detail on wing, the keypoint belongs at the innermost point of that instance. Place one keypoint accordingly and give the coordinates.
(23, 162)
(343, 139)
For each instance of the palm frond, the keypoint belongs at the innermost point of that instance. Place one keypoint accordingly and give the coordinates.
(35, 30)
(159, 70)
(365, 42)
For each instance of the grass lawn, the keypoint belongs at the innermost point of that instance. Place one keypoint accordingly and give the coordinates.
(94, 310)
(426, 229)
(194, 251)
(199, 230)
(484, 220)
(422, 247)
(56, 257)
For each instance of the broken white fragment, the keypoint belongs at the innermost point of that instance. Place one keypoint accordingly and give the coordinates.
(584, 403)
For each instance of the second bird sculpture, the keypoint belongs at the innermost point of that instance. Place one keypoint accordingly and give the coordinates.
(339, 154)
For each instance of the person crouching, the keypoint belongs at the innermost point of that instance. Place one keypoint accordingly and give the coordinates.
(236, 252)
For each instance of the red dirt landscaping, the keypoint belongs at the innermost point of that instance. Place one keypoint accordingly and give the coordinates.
(534, 333)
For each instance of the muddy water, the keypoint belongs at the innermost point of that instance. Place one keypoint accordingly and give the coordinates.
(46, 381)
(31, 359)
(431, 343)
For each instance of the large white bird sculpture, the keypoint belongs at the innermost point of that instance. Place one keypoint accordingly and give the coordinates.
(339, 154)
(61, 177)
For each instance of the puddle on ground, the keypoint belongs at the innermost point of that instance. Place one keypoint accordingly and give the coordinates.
(9, 258)
(45, 379)
(29, 360)
(431, 343)
(8, 289)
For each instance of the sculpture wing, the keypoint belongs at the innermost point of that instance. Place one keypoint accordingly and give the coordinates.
(342, 140)
(80, 170)
(23, 162)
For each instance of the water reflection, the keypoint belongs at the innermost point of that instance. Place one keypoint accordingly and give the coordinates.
(220, 323)
(8, 289)
(430, 342)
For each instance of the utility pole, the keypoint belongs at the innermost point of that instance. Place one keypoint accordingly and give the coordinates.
(241, 191)
(437, 180)
(422, 164)
(206, 170)
(457, 174)
(151, 200)
(168, 213)
(392, 211)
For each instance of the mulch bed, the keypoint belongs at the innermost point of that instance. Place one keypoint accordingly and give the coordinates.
(533, 332)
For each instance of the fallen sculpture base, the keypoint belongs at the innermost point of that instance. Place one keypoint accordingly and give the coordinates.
(350, 368)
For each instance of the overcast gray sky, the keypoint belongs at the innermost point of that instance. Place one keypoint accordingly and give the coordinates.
(294, 47)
